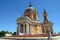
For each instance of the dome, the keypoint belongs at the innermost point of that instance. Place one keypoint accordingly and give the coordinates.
(31, 12)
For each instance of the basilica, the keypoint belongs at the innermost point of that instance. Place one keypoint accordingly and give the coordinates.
(29, 23)
(29, 27)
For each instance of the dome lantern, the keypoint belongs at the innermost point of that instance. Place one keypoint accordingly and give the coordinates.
(30, 5)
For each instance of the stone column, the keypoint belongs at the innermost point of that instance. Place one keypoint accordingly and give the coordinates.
(30, 29)
(24, 28)
(18, 29)
(27, 28)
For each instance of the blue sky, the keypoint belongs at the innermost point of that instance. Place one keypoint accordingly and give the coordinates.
(10, 10)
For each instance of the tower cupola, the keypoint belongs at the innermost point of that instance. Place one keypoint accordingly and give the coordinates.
(45, 16)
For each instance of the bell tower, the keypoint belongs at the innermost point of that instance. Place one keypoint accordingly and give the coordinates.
(47, 24)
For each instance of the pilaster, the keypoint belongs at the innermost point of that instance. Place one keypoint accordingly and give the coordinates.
(44, 29)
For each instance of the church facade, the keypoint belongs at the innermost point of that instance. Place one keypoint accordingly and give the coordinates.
(29, 23)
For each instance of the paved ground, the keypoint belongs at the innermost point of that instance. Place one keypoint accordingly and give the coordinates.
(56, 38)
(27, 39)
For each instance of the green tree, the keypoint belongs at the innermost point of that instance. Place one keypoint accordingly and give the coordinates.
(14, 33)
(2, 33)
